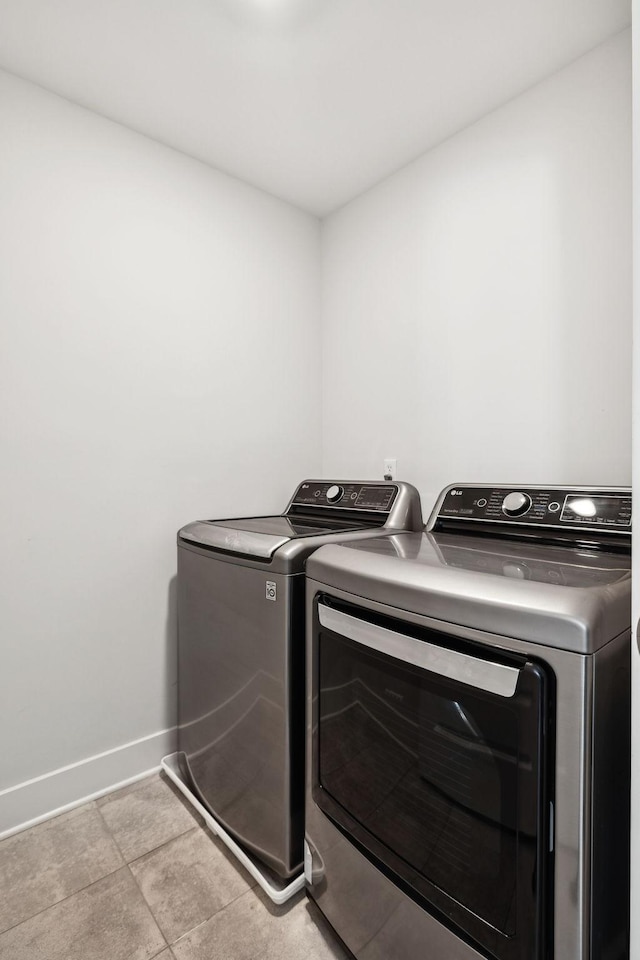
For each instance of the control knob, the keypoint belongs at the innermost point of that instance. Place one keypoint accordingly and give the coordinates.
(516, 504)
(335, 493)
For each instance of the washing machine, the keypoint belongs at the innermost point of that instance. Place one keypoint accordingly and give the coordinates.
(468, 774)
(241, 655)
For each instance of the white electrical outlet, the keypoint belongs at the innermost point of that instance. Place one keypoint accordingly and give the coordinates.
(390, 468)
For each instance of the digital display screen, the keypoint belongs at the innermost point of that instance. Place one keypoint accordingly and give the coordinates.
(375, 497)
(597, 510)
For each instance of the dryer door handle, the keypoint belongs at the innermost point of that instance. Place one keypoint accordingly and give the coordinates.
(497, 678)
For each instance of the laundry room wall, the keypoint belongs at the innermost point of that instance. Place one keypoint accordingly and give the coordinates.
(477, 304)
(160, 363)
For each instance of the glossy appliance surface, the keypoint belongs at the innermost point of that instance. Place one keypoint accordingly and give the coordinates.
(241, 654)
(468, 737)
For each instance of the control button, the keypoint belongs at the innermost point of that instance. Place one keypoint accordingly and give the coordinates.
(335, 493)
(516, 504)
(317, 493)
(553, 507)
(354, 496)
(481, 503)
(517, 571)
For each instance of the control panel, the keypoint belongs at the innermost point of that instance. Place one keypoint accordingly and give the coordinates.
(347, 496)
(558, 507)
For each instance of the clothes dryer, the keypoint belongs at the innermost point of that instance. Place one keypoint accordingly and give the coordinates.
(469, 730)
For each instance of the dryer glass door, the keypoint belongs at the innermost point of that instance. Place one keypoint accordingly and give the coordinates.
(431, 756)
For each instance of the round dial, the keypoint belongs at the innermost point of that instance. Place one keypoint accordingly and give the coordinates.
(335, 493)
(516, 504)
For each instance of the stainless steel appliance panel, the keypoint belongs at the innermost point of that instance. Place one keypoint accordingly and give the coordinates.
(426, 573)
(236, 699)
(377, 919)
(241, 654)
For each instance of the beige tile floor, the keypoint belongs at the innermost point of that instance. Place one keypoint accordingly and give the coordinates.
(135, 876)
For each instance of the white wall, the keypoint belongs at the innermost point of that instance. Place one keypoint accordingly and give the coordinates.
(477, 304)
(159, 363)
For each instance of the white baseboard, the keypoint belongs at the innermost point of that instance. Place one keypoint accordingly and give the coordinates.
(53, 793)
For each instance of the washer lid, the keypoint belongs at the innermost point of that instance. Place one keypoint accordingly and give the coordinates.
(258, 537)
(216, 536)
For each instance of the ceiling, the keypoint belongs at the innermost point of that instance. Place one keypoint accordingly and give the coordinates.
(311, 100)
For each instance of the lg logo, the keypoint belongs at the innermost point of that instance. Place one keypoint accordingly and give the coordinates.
(456, 493)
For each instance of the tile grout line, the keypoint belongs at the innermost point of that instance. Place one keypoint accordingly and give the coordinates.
(151, 913)
(127, 865)
(163, 844)
(215, 914)
(153, 849)
(251, 886)
(156, 955)
(57, 903)
(148, 906)
(110, 873)
(93, 806)
(111, 834)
